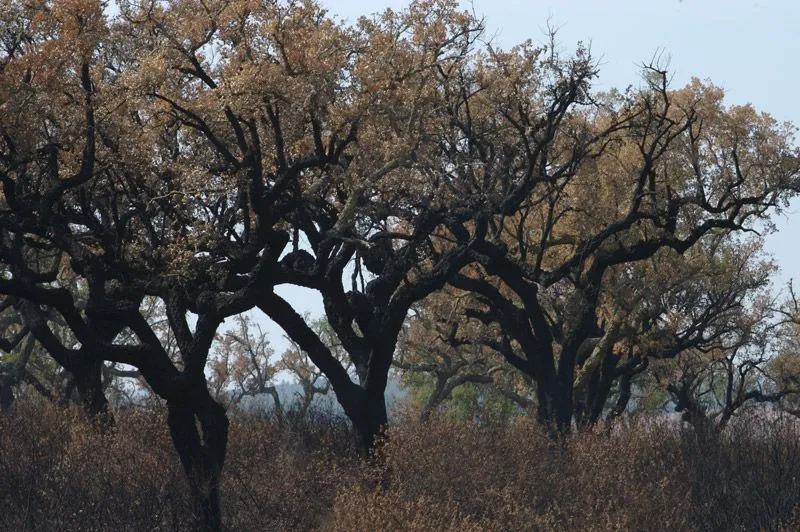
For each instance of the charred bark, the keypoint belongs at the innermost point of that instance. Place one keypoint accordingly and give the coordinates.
(6, 393)
(369, 418)
(87, 376)
(202, 453)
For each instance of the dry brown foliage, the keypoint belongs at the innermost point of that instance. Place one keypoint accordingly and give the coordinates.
(57, 472)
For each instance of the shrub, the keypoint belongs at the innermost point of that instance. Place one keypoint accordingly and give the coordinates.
(58, 472)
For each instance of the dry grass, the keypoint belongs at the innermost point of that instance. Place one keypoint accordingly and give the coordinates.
(59, 473)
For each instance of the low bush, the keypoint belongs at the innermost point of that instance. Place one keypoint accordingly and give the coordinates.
(59, 472)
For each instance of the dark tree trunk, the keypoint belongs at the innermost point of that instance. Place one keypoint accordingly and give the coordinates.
(625, 394)
(600, 390)
(545, 398)
(691, 410)
(436, 397)
(202, 453)
(88, 381)
(6, 393)
(623, 399)
(555, 408)
(363, 403)
(366, 409)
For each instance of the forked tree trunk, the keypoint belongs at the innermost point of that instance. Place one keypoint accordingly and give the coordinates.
(202, 453)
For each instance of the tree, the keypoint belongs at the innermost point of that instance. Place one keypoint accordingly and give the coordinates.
(242, 364)
(710, 386)
(661, 176)
(408, 227)
(339, 157)
(784, 368)
(440, 352)
(26, 364)
(85, 187)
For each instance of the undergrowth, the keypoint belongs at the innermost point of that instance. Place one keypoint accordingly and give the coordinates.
(59, 472)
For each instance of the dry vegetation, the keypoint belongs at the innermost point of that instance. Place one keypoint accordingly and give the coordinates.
(57, 472)
(169, 165)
